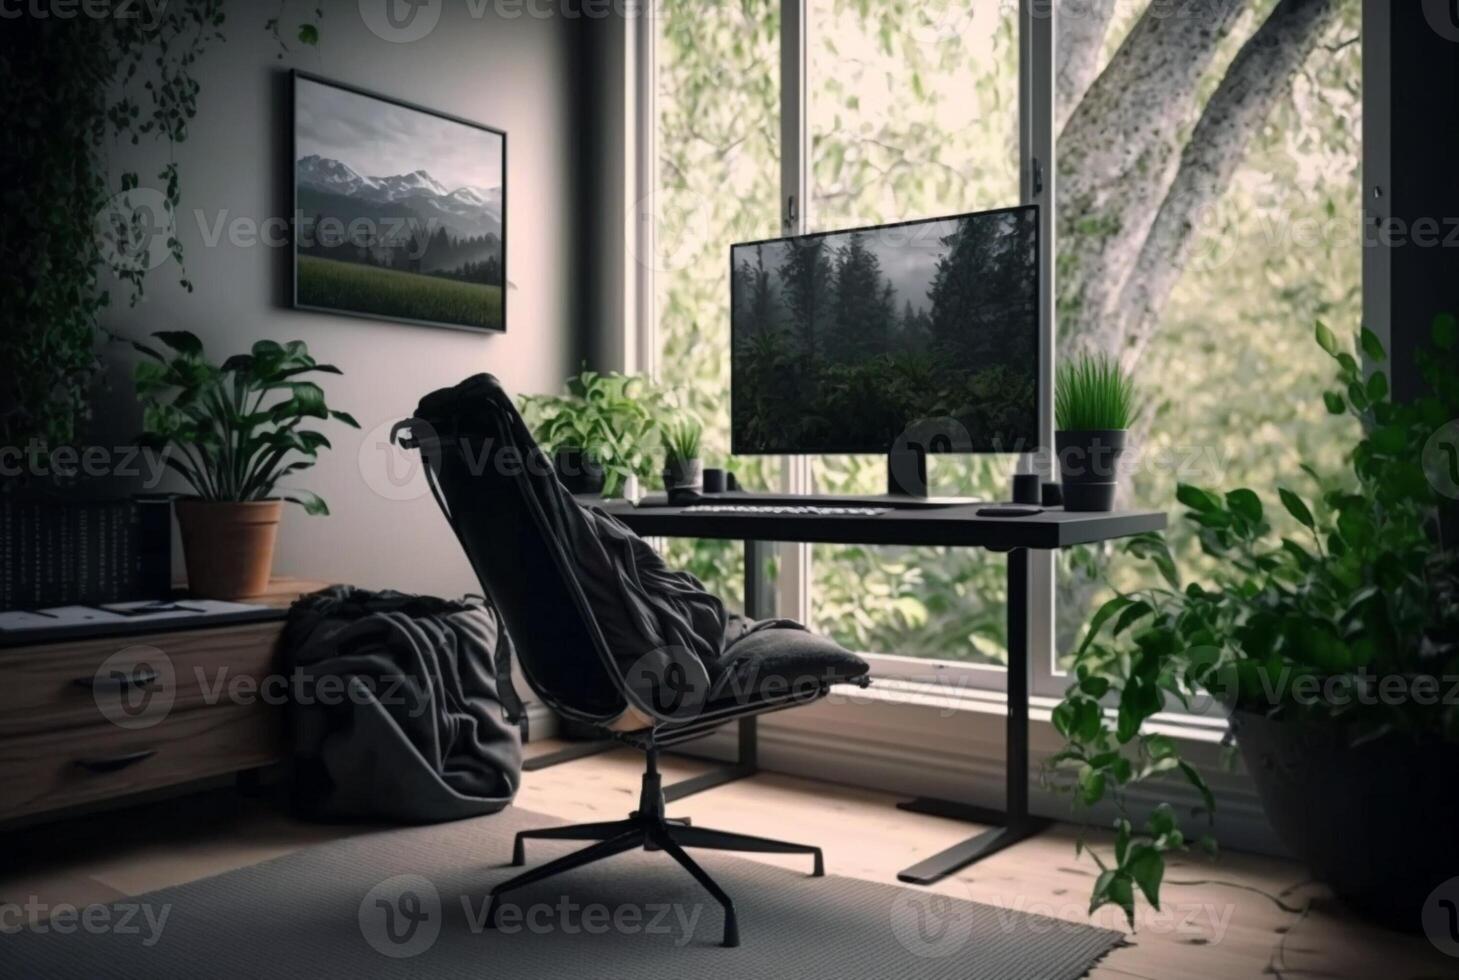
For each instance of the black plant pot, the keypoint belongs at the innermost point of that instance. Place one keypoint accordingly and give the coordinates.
(1376, 822)
(1089, 463)
(578, 470)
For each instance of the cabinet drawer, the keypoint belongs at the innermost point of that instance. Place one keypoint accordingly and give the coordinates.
(74, 685)
(82, 765)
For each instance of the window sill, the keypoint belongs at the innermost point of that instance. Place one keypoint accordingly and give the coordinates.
(938, 697)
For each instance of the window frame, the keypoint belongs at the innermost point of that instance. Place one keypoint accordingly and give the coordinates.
(1036, 137)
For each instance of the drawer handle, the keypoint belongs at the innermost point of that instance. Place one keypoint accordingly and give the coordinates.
(141, 676)
(115, 763)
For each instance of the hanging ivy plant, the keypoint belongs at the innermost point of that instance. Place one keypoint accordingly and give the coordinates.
(71, 89)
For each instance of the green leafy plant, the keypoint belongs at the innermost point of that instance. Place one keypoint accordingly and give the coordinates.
(612, 417)
(1358, 588)
(233, 431)
(72, 88)
(681, 441)
(1093, 392)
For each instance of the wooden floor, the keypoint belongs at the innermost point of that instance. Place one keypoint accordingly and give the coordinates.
(1239, 917)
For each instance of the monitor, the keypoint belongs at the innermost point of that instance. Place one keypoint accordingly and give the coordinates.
(922, 335)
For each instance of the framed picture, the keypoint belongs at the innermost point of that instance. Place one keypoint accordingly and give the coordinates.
(400, 212)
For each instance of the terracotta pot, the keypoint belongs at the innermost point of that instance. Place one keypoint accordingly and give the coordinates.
(229, 547)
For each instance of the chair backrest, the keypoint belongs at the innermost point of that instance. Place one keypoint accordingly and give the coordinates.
(482, 463)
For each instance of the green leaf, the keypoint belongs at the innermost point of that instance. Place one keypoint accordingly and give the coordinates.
(1377, 389)
(1445, 331)
(1326, 339)
(1296, 507)
(1334, 402)
(1199, 782)
(182, 341)
(1372, 346)
(1198, 500)
(1147, 867)
(1122, 893)
(1159, 746)
(1132, 614)
(308, 34)
(1162, 821)
(1091, 785)
(1246, 503)
(312, 503)
(1102, 616)
(1138, 701)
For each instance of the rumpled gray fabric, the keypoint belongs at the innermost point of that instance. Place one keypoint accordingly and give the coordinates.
(655, 619)
(394, 708)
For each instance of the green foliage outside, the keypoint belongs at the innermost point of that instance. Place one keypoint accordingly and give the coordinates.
(392, 293)
(909, 121)
(232, 431)
(1358, 593)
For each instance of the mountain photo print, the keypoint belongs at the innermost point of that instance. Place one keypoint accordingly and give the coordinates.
(400, 212)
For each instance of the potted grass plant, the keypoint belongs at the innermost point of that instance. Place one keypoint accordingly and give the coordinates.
(1333, 643)
(683, 467)
(1094, 405)
(232, 432)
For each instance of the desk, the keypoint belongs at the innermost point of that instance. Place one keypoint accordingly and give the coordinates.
(954, 527)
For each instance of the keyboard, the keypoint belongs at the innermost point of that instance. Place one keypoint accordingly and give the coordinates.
(807, 510)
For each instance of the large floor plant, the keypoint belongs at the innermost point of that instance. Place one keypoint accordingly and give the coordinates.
(1299, 625)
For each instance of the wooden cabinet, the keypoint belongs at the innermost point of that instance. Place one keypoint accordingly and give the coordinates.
(96, 719)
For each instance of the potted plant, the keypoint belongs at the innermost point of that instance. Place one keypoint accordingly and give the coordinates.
(1094, 405)
(1330, 646)
(683, 469)
(232, 432)
(600, 433)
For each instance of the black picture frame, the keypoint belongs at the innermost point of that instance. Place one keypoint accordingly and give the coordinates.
(300, 297)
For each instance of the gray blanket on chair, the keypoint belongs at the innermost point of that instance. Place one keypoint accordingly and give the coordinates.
(660, 623)
(394, 708)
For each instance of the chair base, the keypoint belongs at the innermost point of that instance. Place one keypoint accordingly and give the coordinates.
(649, 828)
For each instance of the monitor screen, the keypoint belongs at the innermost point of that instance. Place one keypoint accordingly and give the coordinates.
(919, 334)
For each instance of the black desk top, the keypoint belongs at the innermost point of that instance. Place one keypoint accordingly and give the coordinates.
(955, 527)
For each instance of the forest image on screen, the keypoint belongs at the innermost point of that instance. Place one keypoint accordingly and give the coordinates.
(865, 340)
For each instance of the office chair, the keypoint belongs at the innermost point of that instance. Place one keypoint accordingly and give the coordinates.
(524, 533)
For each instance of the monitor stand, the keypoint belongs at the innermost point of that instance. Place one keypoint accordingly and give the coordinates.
(907, 481)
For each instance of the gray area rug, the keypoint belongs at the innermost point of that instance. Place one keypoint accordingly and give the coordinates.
(410, 903)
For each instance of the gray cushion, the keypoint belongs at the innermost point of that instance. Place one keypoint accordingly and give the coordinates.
(772, 661)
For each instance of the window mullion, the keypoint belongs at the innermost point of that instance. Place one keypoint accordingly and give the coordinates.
(1039, 184)
(794, 583)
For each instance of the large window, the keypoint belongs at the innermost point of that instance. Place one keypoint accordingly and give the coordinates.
(1208, 288)
(913, 112)
(1206, 212)
(717, 119)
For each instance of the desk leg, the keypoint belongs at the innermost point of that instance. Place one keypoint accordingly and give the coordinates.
(759, 604)
(1014, 824)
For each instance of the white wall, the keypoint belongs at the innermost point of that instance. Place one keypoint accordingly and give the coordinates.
(518, 75)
